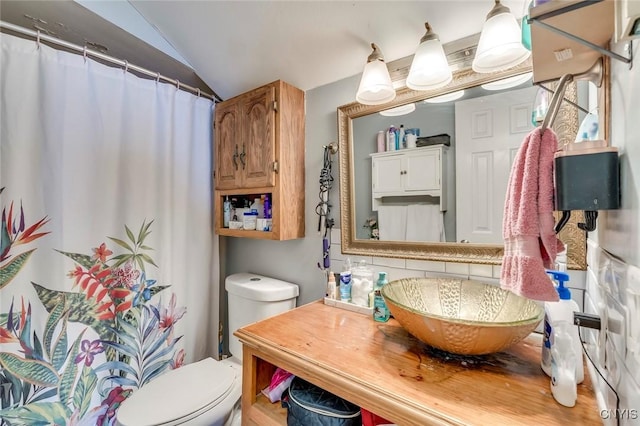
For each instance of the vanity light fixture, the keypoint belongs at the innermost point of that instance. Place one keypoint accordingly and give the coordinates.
(445, 98)
(509, 82)
(400, 110)
(375, 86)
(500, 46)
(429, 68)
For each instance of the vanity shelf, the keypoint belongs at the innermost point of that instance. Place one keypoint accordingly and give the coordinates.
(568, 37)
(383, 369)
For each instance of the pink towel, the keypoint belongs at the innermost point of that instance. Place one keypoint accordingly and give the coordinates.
(530, 242)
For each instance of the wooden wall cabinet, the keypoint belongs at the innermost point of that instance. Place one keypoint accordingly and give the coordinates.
(259, 149)
(409, 172)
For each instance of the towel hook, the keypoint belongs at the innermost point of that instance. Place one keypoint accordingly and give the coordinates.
(556, 100)
(593, 74)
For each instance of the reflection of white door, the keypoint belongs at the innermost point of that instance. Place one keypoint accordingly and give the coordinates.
(489, 131)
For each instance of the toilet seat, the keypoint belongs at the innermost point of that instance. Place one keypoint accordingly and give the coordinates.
(179, 395)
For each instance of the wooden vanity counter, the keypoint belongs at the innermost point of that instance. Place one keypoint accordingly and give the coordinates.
(383, 369)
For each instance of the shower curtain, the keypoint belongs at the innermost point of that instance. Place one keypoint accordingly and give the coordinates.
(108, 262)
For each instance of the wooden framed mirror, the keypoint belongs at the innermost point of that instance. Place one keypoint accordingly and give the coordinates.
(459, 54)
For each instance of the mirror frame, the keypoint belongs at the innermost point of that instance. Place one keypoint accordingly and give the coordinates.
(566, 127)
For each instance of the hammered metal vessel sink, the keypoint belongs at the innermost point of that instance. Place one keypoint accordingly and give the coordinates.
(461, 316)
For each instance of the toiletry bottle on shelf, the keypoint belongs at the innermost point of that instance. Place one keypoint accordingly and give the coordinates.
(554, 313)
(345, 282)
(391, 138)
(226, 207)
(267, 206)
(258, 207)
(381, 145)
(380, 310)
(401, 142)
(563, 365)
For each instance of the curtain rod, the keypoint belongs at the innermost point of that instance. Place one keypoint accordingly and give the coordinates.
(123, 63)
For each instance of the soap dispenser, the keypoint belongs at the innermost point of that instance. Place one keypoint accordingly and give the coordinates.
(563, 365)
(556, 313)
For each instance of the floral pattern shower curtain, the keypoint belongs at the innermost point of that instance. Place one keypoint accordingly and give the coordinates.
(106, 247)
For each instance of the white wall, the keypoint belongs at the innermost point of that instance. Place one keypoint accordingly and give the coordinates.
(613, 278)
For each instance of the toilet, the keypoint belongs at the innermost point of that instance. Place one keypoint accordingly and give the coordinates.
(208, 392)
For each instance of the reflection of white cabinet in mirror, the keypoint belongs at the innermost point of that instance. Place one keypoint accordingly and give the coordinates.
(409, 172)
(489, 131)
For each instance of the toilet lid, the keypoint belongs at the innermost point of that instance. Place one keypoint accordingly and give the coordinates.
(178, 394)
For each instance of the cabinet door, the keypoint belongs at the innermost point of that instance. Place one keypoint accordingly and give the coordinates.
(227, 140)
(258, 142)
(387, 174)
(422, 171)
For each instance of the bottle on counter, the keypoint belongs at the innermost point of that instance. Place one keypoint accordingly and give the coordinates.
(563, 365)
(331, 286)
(345, 282)
(556, 313)
(380, 311)
(401, 141)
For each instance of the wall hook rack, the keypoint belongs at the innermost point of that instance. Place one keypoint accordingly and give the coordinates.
(593, 74)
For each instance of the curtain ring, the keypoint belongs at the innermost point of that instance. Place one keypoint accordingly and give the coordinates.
(84, 53)
(157, 77)
(198, 92)
(178, 84)
(38, 39)
(126, 65)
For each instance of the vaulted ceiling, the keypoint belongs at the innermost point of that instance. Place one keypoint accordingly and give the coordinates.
(234, 46)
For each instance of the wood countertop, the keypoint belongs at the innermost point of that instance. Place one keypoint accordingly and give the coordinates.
(383, 369)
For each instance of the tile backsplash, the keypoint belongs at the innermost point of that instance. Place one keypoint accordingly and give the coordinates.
(406, 268)
(613, 293)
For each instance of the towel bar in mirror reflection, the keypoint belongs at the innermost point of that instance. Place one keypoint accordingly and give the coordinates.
(357, 130)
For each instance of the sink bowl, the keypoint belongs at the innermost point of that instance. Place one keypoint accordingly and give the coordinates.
(461, 316)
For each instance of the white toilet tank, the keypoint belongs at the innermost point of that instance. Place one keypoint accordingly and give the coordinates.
(252, 298)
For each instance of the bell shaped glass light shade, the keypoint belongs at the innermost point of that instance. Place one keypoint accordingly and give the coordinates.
(500, 46)
(375, 86)
(429, 68)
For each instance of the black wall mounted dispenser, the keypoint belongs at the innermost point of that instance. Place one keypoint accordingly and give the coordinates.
(586, 178)
(586, 173)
